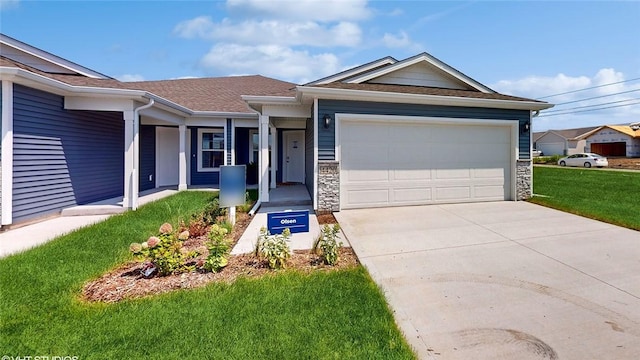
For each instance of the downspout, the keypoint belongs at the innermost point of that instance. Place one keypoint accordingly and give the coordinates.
(258, 203)
(136, 145)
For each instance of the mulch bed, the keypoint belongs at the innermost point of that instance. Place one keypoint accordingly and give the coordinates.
(127, 282)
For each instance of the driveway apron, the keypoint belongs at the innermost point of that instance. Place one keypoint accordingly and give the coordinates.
(503, 280)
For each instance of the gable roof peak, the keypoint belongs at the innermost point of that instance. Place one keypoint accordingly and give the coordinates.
(354, 71)
(438, 67)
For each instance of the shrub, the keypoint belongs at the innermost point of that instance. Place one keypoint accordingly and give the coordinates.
(164, 251)
(547, 159)
(196, 227)
(327, 244)
(212, 212)
(274, 248)
(219, 248)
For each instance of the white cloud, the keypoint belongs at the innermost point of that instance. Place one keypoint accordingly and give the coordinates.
(200, 26)
(270, 60)
(9, 4)
(606, 100)
(272, 32)
(130, 77)
(396, 12)
(304, 10)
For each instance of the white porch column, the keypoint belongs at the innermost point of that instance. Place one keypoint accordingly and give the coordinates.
(182, 158)
(263, 168)
(274, 156)
(128, 116)
(7, 152)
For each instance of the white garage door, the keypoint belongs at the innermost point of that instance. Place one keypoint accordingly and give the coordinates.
(412, 163)
(549, 149)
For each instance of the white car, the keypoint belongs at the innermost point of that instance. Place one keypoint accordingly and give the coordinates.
(536, 153)
(587, 160)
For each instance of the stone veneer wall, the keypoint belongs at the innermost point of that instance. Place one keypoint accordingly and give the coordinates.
(523, 179)
(328, 186)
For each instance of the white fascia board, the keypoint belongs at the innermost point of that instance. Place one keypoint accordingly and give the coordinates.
(417, 59)
(53, 86)
(292, 111)
(270, 100)
(364, 95)
(54, 59)
(355, 71)
(223, 114)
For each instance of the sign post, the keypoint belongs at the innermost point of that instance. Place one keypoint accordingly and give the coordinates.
(233, 180)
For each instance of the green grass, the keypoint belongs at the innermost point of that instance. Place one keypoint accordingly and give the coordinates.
(610, 196)
(334, 315)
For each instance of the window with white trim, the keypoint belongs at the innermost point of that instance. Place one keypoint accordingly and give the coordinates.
(254, 146)
(211, 149)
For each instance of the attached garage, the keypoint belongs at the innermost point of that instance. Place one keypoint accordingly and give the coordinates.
(401, 160)
(610, 149)
(549, 149)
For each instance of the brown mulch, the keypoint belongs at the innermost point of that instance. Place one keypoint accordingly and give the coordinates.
(327, 219)
(126, 281)
(624, 163)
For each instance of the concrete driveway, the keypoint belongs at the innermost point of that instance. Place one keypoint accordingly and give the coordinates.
(503, 280)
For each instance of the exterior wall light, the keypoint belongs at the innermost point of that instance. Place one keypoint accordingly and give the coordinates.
(327, 121)
(525, 127)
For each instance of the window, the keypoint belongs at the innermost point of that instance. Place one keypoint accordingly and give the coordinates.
(211, 149)
(254, 146)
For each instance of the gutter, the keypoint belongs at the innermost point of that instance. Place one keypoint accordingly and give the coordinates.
(368, 95)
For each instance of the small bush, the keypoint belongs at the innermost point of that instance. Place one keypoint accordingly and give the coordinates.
(163, 252)
(327, 244)
(196, 226)
(219, 248)
(274, 248)
(552, 160)
(213, 211)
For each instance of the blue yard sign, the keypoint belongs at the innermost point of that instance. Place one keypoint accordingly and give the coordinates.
(296, 221)
(232, 185)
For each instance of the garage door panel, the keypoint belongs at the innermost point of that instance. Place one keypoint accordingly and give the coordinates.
(449, 193)
(413, 174)
(489, 192)
(495, 173)
(411, 195)
(453, 173)
(368, 197)
(413, 163)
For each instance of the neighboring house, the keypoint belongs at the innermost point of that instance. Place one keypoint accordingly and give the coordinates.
(385, 133)
(561, 142)
(613, 140)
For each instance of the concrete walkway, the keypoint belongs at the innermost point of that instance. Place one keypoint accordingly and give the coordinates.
(503, 280)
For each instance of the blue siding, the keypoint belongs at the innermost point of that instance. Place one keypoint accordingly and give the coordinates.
(61, 157)
(227, 141)
(280, 156)
(308, 156)
(197, 177)
(326, 137)
(147, 157)
(242, 146)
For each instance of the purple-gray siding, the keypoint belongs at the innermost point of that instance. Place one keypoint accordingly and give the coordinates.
(62, 157)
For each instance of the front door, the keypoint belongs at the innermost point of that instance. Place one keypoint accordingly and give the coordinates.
(293, 156)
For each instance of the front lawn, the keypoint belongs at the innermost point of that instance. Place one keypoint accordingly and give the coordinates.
(288, 315)
(610, 196)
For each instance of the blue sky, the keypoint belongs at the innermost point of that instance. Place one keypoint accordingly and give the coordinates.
(525, 48)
